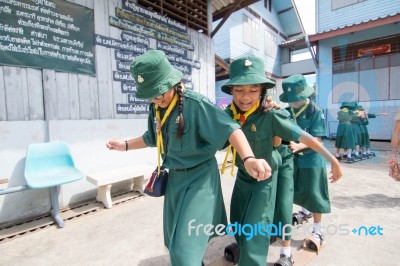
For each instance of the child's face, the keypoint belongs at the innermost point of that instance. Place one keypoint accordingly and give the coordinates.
(246, 96)
(298, 104)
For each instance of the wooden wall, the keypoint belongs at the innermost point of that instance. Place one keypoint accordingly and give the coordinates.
(41, 94)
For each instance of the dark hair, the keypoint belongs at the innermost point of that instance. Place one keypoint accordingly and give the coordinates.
(179, 90)
(263, 96)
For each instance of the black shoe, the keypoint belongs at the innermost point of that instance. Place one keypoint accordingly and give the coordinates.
(350, 160)
(284, 261)
(272, 239)
(371, 154)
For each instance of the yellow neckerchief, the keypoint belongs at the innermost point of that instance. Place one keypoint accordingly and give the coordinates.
(237, 117)
(344, 109)
(295, 115)
(160, 123)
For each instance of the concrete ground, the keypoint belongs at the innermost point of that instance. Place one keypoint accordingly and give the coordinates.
(363, 228)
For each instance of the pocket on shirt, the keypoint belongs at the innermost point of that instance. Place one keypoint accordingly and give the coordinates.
(182, 143)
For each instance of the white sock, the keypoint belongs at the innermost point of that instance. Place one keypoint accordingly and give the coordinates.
(317, 228)
(368, 151)
(287, 251)
(349, 155)
(305, 211)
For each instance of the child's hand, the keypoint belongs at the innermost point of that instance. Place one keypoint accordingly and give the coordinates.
(269, 104)
(258, 168)
(336, 171)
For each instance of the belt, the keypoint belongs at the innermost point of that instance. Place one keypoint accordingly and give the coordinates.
(188, 169)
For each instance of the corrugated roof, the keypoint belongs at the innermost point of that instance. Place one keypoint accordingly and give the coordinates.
(357, 26)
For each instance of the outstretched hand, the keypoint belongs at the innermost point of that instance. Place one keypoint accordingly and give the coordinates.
(336, 171)
(258, 168)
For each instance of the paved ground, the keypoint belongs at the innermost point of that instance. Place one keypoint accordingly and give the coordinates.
(131, 232)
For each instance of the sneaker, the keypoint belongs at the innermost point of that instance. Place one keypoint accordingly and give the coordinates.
(284, 261)
(305, 216)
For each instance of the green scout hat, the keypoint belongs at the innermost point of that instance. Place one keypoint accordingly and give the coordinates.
(359, 107)
(346, 104)
(153, 74)
(247, 71)
(295, 89)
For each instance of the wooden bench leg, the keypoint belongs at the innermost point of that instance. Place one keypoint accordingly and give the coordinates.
(138, 184)
(104, 195)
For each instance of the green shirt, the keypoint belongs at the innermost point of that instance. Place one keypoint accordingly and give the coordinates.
(206, 130)
(261, 127)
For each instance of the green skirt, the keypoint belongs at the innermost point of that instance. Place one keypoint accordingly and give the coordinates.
(311, 183)
(192, 198)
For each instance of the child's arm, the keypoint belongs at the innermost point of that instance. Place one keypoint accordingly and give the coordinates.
(313, 143)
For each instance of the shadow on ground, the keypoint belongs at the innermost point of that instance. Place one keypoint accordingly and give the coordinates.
(366, 201)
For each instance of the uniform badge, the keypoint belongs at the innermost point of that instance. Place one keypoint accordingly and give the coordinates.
(289, 89)
(253, 128)
(140, 79)
(177, 120)
(247, 63)
(322, 116)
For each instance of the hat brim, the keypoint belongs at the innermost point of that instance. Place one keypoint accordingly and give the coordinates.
(292, 97)
(169, 80)
(249, 79)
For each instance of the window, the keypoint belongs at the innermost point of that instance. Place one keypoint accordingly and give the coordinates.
(336, 4)
(251, 32)
(299, 55)
(270, 45)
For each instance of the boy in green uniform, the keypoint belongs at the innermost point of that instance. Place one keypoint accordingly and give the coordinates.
(182, 124)
(310, 176)
(253, 203)
(344, 134)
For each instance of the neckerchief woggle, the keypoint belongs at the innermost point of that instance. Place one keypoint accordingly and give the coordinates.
(160, 123)
(295, 115)
(242, 119)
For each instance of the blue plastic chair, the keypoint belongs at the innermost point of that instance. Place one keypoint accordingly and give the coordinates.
(49, 165)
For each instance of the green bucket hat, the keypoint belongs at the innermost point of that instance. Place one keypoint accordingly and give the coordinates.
(247, 71)
(360, 107)
(347, 104)
(153, 74)
(295, 89)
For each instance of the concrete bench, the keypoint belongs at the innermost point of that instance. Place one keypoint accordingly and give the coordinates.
(104, 181)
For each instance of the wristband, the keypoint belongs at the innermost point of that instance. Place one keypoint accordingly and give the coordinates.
(126, 145)
(246, 158)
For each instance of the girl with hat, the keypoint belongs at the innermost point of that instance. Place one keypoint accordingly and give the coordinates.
(182, 125)
(344, 134)
(310, 176)
(365, 147)
(253, 203)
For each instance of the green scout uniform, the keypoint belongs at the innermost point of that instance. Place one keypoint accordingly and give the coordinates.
(364, 124)
(344, 133)
(355, 123)
(253, 202)
(310, 177)
(193, 190)
(285, 190)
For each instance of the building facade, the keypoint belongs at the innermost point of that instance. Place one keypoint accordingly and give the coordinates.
(357, 52)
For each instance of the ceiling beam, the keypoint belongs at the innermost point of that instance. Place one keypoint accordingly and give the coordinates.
(221, 13)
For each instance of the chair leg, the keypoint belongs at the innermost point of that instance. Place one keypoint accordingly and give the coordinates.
(55, 207)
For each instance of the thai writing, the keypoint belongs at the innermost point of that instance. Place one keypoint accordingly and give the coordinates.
(132, 109)
(152, 15)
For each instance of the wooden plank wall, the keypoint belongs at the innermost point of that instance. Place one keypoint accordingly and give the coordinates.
(42, 94)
